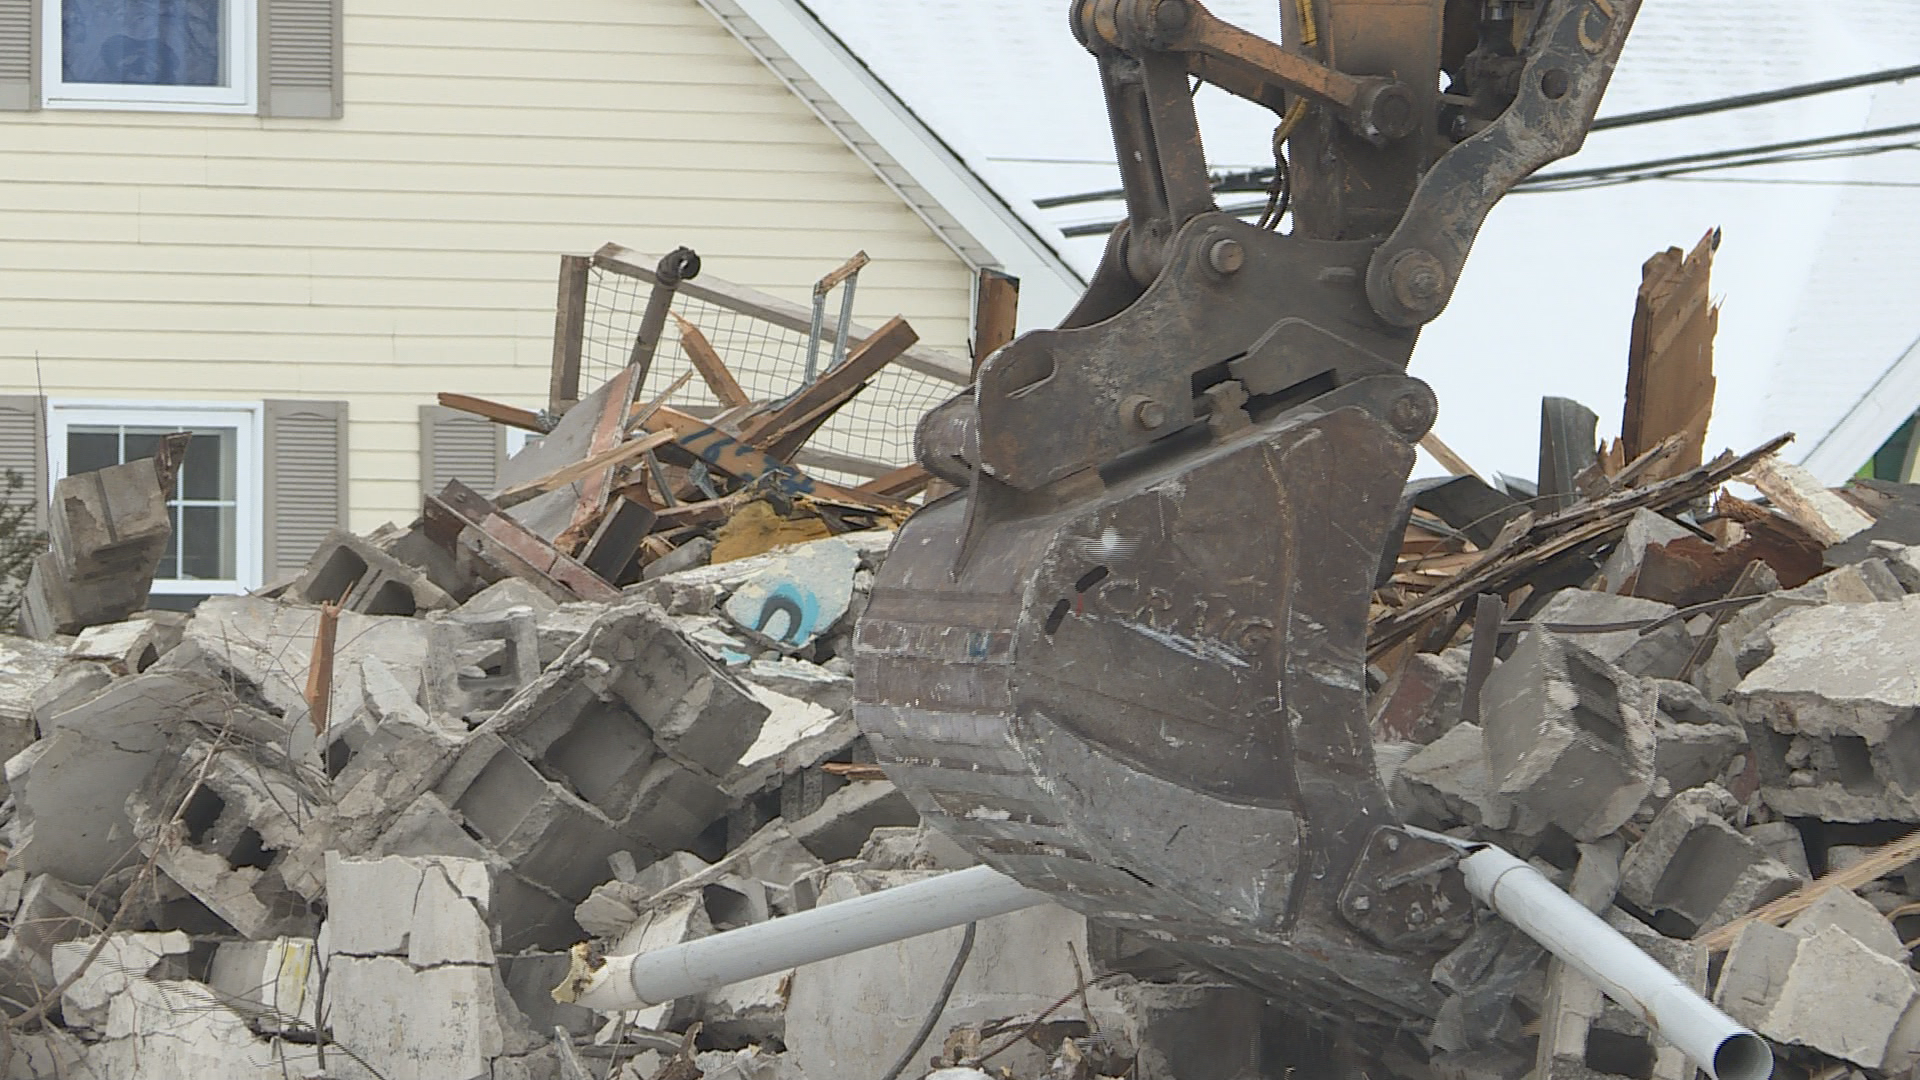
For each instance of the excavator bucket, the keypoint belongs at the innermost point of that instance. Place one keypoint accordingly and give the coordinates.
(1125, 663)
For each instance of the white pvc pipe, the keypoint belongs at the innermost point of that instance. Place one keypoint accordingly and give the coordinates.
(906, 911)
(1629, 976)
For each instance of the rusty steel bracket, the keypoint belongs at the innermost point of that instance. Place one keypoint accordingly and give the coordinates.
(1404, 894)
(1576, 44)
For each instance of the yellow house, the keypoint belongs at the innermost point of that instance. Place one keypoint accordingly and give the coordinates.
(288, 224)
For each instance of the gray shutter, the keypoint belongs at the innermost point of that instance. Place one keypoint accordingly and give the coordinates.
(23, 449)
(18, 56)
(299, 58)
(306, 481)
(459, 446)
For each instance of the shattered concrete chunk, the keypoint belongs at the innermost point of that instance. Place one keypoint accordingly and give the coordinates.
(839, 829)
(126, 648)
(1658, 654)
(1644, 530)
(795, 735)
(1782, 841)
(797, 597)
(1841, 909)
(275, 984)
(411, 1024)
(920, 847)
(48, 913)
(1569, 737)
(1449, 781)
(1832, 713)
(1692, 865)
(1423, 700)
(477, 661)
(27, 668)
(1826, 991)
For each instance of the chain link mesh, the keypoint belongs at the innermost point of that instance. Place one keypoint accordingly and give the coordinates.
(767, 360)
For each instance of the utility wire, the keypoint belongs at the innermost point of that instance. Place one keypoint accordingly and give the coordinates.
(1764, 97)
(1257, 179)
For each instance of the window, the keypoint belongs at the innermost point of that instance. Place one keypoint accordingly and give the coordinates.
(174, 55)
(216, 499)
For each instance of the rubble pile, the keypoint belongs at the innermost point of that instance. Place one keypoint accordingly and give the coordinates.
(351, 827)
(1711, 711)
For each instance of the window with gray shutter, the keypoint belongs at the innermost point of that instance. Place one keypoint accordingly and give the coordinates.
(459, 446)
(299, 58)
(17, 55)
(306, 480)
(23, 449)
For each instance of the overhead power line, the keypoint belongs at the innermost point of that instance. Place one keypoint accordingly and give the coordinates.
(1257, 179)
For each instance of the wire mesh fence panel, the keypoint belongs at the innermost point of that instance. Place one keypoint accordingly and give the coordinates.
(768, 360)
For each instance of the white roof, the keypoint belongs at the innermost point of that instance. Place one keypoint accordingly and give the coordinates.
(1819, 333)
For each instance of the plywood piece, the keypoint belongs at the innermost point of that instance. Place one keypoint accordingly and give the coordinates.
(1670, 381)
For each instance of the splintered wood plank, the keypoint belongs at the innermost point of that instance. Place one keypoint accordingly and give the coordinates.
(524, 419)
(706, 360)
(569, 330)
(630, 450)
(1805, 501)
(1670, 381)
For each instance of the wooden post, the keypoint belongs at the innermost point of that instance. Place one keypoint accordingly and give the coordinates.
(319, 693)
(569, 328)
(994, 312)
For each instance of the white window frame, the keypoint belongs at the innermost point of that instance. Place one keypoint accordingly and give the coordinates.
(240, 95)
(247, 421)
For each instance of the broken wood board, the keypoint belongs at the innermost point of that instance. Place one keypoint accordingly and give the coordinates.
(1670, 381)
(628, 451)
(508, 415)
(706, 360)
(1795, 492)
(795, 421)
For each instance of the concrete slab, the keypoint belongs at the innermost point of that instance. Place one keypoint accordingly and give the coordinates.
(797, 597)
(1569, 736)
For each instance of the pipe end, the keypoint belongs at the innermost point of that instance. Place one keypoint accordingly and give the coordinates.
(1745, 1056)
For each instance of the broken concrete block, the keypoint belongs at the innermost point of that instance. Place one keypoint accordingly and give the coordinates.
(839, 829)
(409, 1024)
(1449, 782)
(530, 979)
(1694, 740)
(275, 984)
(921, 847)
(1693, 867)
(476, 662)
(1826, 991)
(1831, 713)
(268, 646)
(108, 530)
(1860, 920)
(1569, 737)
(126, 648)
(799, 596)
(1423, 701)
(27, 670)
(348, 571)
(1185, 1030)
(1657, 654)
(71, 788)
(542, 830)
(509, 593)
(527, 915)
(850, 1016)
(1782, 841)
(48, 913)
(1644, 530)
(799, 679)
(1583, 1035)
(432, 911)
(795, 735)
(1868, 582)
(152, 1022)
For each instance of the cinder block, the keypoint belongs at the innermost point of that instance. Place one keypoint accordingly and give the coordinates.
(1694, 867)
(1569, 737)
(477, 661)
(1827, 991)
(542, 830)
(1423, 700)
(840, 828)
(350, 572)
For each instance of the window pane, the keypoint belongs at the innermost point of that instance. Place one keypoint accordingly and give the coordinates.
(142, 443)
(141, 42)
(90, 448)
(170, 562)
(208, 470)
(206, 543)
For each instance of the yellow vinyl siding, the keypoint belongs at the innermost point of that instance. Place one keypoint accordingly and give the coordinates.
(411, 246)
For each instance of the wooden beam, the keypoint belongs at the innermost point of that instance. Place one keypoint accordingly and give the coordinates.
(735, 458)
(902, 483)
(813, 405)
(609, 430)
(569, 329)
(706, 360)
(995, 309)
(1442, 453)
(524, 419)
(518, 549)
(847, 269)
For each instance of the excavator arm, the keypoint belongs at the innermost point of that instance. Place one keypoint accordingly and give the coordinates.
(1125, 662)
